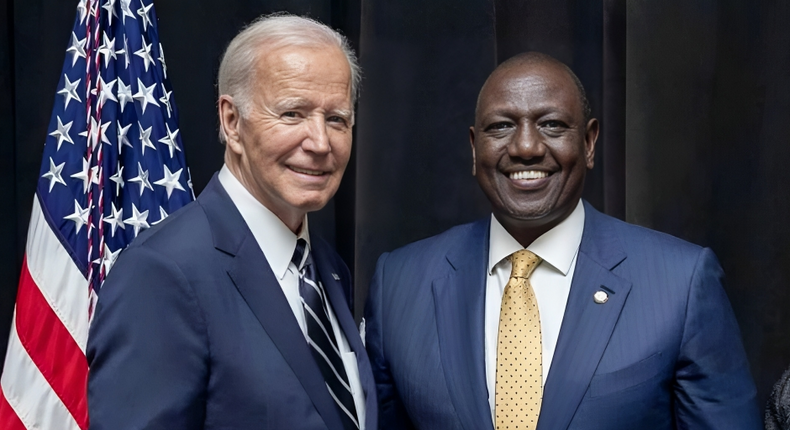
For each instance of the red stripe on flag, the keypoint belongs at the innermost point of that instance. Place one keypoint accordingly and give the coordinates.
(52, 348)
(8, 418)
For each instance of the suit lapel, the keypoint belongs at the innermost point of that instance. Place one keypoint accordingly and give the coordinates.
(256, 283)
(460, 318)
(586, 325)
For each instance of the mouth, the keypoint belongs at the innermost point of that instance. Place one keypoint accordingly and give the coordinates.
(529, 180)
(308, 171)
(528, 175)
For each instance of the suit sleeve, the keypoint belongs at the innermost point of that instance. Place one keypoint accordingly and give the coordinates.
(147, 348)
(714, 387)
(392, 414)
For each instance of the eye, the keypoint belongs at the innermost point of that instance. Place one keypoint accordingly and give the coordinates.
(498, 126)
(337, 119)
(291, 114)
(553, 125)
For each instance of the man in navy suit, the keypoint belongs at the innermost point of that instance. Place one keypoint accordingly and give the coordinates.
(614, 327)
(231, 314)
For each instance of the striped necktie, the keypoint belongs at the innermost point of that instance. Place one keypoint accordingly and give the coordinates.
(321, 336)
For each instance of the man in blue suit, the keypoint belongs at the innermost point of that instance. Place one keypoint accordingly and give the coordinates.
(549, 314)
(231, 314)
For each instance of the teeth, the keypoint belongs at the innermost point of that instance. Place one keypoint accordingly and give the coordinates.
(528, 174)
(307, 172)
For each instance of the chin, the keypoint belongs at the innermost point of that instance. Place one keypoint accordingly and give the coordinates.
(312, 205)
(533, 214)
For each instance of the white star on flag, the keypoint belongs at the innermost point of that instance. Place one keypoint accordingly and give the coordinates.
(84, 175)
(62, 133)
(145, 138)
(145, 94)
(170, 181)
(161, 59)
(93, 133)
(165, 99)
(110, 8)
(126, 10)
(142, 179)
(143, 12)
(162, 216)
(77, 48)
(138, 220)
(80, 215)
(124, 94)
(145, 53)
(69, 90)
(122, 139)
(108, 258)
(170, 140)
(54, 174)
(106, 91)
(189, 183)
(107, 49)
(118, 179)
(115, 219)
(83, 10)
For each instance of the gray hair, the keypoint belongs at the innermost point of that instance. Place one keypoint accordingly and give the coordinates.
(237, 68)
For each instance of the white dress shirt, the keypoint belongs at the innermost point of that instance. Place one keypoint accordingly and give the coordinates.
(278, 243)
(551, 282)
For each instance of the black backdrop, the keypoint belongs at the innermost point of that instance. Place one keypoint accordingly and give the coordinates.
(693, 95)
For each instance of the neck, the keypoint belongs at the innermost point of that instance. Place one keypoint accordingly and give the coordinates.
(291, 218)
(527, 231)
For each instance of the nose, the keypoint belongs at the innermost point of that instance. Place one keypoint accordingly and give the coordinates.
(317, 139)
(527, 142)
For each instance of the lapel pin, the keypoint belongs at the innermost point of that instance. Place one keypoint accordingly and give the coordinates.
(600, 297)
(337, 278)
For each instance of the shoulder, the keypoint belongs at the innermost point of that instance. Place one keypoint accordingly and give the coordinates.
(426, 250)
(637, 239)
(182, 241)
(181, 229)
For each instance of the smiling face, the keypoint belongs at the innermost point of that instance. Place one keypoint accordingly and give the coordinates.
(531, 146)
(292, 145)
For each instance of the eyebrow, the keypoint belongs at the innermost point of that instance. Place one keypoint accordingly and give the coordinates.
(300, 102)
(292, 103)
(343, 112)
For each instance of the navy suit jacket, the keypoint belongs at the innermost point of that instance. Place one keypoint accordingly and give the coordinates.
(663, 352)
(192, 331)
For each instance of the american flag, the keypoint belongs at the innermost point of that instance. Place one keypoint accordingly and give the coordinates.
(113, 165)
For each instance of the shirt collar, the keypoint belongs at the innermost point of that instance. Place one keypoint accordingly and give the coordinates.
(274, 238)
(557, 247)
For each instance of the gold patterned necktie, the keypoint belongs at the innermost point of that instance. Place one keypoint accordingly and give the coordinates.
(519, 367)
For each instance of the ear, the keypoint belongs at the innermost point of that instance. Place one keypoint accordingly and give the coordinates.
(229, 121)
(590, 137)
(472, 142)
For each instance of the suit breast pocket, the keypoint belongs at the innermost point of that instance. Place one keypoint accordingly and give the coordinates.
(628, 377)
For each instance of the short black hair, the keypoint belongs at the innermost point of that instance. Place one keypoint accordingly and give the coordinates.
(534, 57)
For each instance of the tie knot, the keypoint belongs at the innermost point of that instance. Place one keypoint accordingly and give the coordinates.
(524, 262)
(300, 253)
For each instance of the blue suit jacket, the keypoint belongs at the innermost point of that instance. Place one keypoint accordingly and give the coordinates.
(663, 352)
(192, 331)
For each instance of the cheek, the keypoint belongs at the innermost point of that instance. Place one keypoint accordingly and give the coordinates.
(341, 147)
(487, 155)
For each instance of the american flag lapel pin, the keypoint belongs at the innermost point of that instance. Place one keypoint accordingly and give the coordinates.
(334, 275)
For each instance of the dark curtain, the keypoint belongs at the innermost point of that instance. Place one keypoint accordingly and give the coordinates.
(693, 98)
(708, 103)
